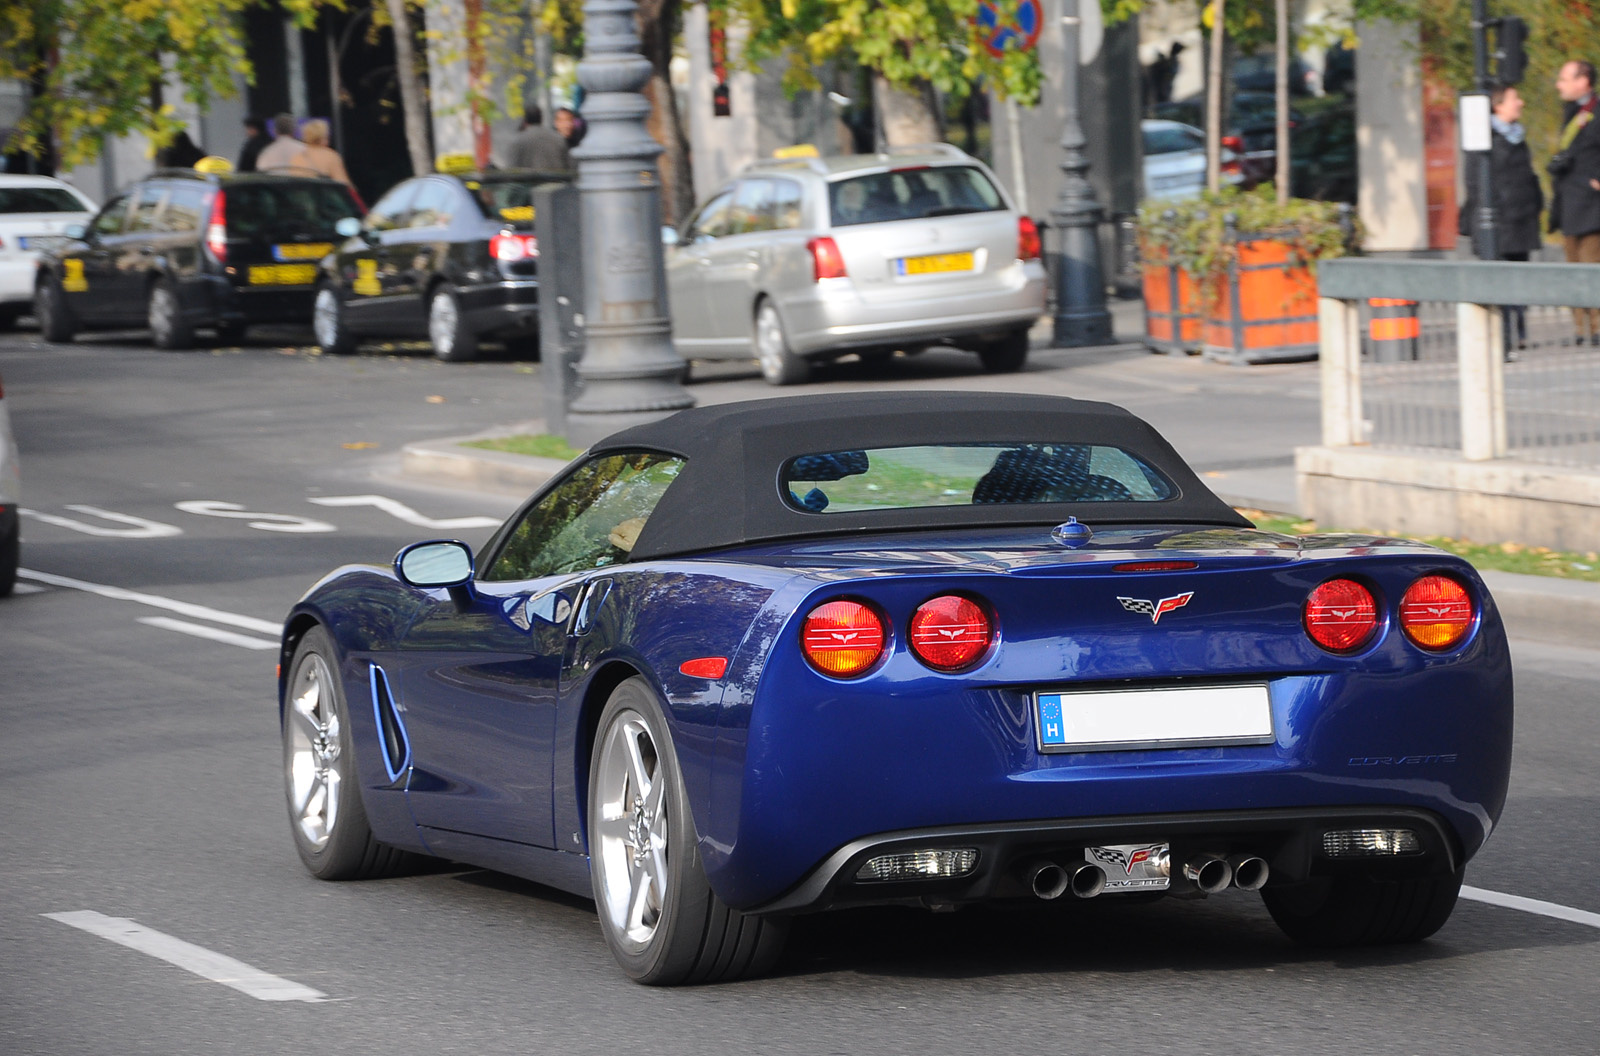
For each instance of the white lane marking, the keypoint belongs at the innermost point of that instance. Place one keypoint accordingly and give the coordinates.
(266, 522)
(205, 963)
(141, 528)
(27, 588)
(1532, 905)
(401, 511)
(215, 634)
(155, 601)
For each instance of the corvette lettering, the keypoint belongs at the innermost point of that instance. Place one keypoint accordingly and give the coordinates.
(1400, 760)
(1155, 609)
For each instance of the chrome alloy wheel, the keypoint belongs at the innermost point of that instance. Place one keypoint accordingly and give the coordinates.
(771, 348)
(631, 856)
(442, 321)
(311, 751)
(325, 317)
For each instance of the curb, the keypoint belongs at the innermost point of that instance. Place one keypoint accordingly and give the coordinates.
(1539, 608)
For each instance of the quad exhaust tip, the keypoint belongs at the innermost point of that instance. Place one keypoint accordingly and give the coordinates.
(1249, 872)
(1049, 880)
(1209, 873)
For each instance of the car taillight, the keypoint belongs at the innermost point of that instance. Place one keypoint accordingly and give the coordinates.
(217, 227)
(1341, 615)
(1154, 566)
(1233, 143)
(1436, 612)
(843, 638)
(1028, 245)
(826, 260)
(951, 632)
(513, 247)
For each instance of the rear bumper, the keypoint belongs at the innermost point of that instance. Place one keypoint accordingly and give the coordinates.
(213, 299)
(16, 281)
(1289, 840)
(502, 308)
(832, 315)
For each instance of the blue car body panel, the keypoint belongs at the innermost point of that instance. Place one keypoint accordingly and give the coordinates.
(784, 766)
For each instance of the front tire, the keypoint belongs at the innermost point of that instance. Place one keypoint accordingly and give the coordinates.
(660, 917)
(779, 365)
(1006, 355)
(447, 328)
(326, 816)
(168, 328)
(1357, 911)
(50, 308)
(328, 325)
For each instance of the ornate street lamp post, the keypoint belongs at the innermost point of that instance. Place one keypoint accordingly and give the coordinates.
(1081, 317)
(629, 371)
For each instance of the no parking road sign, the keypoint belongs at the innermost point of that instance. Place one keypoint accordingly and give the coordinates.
(1020, 32)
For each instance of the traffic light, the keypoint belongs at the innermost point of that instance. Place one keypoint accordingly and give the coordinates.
(1511, 54)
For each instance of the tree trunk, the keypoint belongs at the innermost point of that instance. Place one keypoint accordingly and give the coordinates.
(1214, 99)
(658, 26)
(909, 115)
(1282, 87)
(411, 97)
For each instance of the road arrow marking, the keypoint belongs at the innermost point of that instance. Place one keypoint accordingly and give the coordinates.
(401, 511)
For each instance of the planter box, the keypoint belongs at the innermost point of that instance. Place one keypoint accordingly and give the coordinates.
(1265, 310)
(1171, 309)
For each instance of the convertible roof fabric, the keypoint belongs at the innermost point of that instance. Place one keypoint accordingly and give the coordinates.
(728, 492)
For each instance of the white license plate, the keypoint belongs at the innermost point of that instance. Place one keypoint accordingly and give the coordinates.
(1176, 717)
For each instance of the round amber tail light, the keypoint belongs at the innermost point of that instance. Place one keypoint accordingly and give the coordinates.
(843, 638)
(951, 632)
(1436, 612)
(1341, 615)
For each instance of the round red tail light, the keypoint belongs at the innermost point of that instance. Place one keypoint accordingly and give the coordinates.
(1341, 615)
(843, 638)
(950, 632)
(1436, 612)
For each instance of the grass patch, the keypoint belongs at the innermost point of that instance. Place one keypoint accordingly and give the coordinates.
(541, 445)
(1501, 557)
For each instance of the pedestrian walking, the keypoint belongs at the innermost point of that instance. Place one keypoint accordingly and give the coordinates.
(283, 149)
(256, 140)
(1518, 200)
(570, 125)
(316, 158)
(1575, 169)
(181, 153)
(537, 147)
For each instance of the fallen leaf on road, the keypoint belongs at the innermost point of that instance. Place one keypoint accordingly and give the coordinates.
(435, 399)
(359, 445)
(1215, 473)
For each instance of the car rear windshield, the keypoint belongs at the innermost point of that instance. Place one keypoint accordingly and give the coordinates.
(39, 200)
(275, 211)
(1170, 140)
(508, 200)
(969, 475)
(913, 193)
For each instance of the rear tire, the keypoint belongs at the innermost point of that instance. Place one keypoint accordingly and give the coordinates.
(328, 325)
(327, 819)
(447, 328)
(1358, 911)
(50, 308)
(10, 558)
(663, 922)
(779, 365)
(1007, 355)
(168, 328)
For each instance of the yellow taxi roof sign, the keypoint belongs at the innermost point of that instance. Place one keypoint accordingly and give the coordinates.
(214, 165)
(451, 164)
(799, 150)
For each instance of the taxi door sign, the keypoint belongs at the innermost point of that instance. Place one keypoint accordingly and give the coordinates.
(366, 283)
(72, 280)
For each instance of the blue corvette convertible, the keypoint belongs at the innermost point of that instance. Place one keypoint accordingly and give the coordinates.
(773, 658)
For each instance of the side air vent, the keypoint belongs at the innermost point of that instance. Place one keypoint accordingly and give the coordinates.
(391, 727)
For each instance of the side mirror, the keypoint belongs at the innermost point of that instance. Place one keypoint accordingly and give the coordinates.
(431, 566)
(348, 227)
(75, 232)
(669, 235)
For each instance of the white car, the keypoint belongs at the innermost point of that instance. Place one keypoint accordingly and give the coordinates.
(1175, 160)
(10, 485)
(34, 211)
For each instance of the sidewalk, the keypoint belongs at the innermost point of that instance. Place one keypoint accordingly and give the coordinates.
(1237, 426)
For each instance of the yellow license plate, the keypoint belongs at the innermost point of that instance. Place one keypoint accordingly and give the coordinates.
(938, 262)
(302, 251)
(283, 274)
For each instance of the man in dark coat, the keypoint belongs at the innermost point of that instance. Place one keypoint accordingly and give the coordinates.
(1575, 207)
(537, 147)
(256, 140)
(1518, 199)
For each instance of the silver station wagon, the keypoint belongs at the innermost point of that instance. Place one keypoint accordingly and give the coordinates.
(806, 259)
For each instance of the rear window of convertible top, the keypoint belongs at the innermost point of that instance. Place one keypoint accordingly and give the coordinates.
(969, 475)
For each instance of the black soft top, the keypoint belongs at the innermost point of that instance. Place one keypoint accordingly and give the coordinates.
(728, 492)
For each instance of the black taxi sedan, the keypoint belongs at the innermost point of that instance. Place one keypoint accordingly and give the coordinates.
(182, 250)
(447, 257)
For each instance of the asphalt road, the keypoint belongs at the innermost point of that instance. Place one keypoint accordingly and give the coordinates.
(140, 776)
